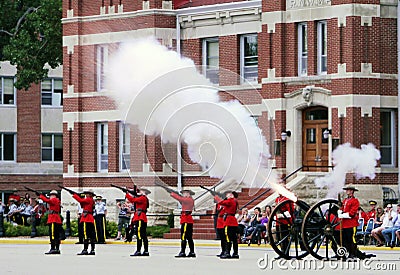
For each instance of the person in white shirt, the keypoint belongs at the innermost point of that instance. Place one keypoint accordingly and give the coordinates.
(386, 223)
(390, 233)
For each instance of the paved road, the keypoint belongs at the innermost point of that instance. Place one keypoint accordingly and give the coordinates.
(115, 259)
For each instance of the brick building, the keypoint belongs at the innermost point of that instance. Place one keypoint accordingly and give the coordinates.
(30, 133)
(325, 70)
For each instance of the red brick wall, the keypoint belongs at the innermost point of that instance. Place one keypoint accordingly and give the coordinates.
(229, 60)
(29, 133)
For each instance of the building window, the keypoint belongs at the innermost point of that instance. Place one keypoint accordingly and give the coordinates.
(52, 147)
(101, 61)
(125, 147)
(387, 137)
(322, 47)
(102, 147)
(249, 57)
(52, 92)
(211, 59)
(7, 91)
(7, 147)
(302, 49)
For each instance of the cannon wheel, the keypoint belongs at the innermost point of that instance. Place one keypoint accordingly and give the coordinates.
(282, 237)
(318, 230)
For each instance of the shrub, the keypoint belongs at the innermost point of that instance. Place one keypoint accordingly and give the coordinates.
(158, 230)
(170, 220)
(111, 229)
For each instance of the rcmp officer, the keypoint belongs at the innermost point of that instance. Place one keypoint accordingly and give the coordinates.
(186, 221)
(140, 220)
(349, 223)
(53, 220)
(231, 206)
(372, 213)
(220, 211)
(100, 219)
(87, 221)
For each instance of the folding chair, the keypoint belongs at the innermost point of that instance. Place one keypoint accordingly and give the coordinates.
(367, 232)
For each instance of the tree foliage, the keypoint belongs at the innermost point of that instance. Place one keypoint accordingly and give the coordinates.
(31, 37)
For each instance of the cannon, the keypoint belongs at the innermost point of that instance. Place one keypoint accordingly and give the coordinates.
(296, 229)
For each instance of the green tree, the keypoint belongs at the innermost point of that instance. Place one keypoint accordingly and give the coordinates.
(31, 37)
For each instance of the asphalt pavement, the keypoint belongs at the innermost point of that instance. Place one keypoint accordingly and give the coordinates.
(26, 256)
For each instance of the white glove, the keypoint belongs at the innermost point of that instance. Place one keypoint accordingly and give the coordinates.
(339, 212)
(344, 216)
(287, 214)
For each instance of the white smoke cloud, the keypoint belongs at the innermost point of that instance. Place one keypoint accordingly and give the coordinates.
(165, 95)
(348, 159)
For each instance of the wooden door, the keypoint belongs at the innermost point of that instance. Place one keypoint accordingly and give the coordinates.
(315, 146)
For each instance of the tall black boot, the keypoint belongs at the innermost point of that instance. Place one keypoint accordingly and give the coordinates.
(52, 248)
(183, 248)
(57, 247)
(191, 247)
(138, 248)
(93, 246)
(146, 247)
(227, 252)
(85, 248)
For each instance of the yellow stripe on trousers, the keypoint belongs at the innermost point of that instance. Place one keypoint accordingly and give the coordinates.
(95, 230)
(84, 231)
(184, 232)
(354, 234)
(226, 234)
(52, 231)
(138, 231)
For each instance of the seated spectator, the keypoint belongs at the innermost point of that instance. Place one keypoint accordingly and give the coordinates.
(378, 217)
(268, 210)
(261, 227)
(390, 233)
(243, 221)
(387, 221)
(13, 211)
(26, 212)
(254, 220)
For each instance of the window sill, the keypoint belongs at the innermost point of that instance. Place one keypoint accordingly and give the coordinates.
(51, 107)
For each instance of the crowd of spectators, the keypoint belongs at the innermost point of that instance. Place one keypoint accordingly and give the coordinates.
(22, 210)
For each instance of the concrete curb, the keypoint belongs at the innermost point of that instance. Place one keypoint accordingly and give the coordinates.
(162, 242)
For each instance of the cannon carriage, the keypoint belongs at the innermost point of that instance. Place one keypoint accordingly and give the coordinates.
(296, 229)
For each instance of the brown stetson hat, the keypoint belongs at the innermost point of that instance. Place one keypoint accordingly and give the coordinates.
(144, 190)
(189, 191)
(350, 187)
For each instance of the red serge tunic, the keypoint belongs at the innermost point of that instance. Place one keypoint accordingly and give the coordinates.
(231, 205)
(54, 208)
(220, 219)
(350, 205)
(142, 203)
(87, 205)
(287, 207)
(187, 207)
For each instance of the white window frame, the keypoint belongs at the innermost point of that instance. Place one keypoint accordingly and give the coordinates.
(102, 63)
(2, 91)
(302, 54)
(123, 144)
(52, 93)
(392, 138)
(52, 148)
(102, 134)
(2, 146)
(322, 25)
(206, 69)
(242, 60)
